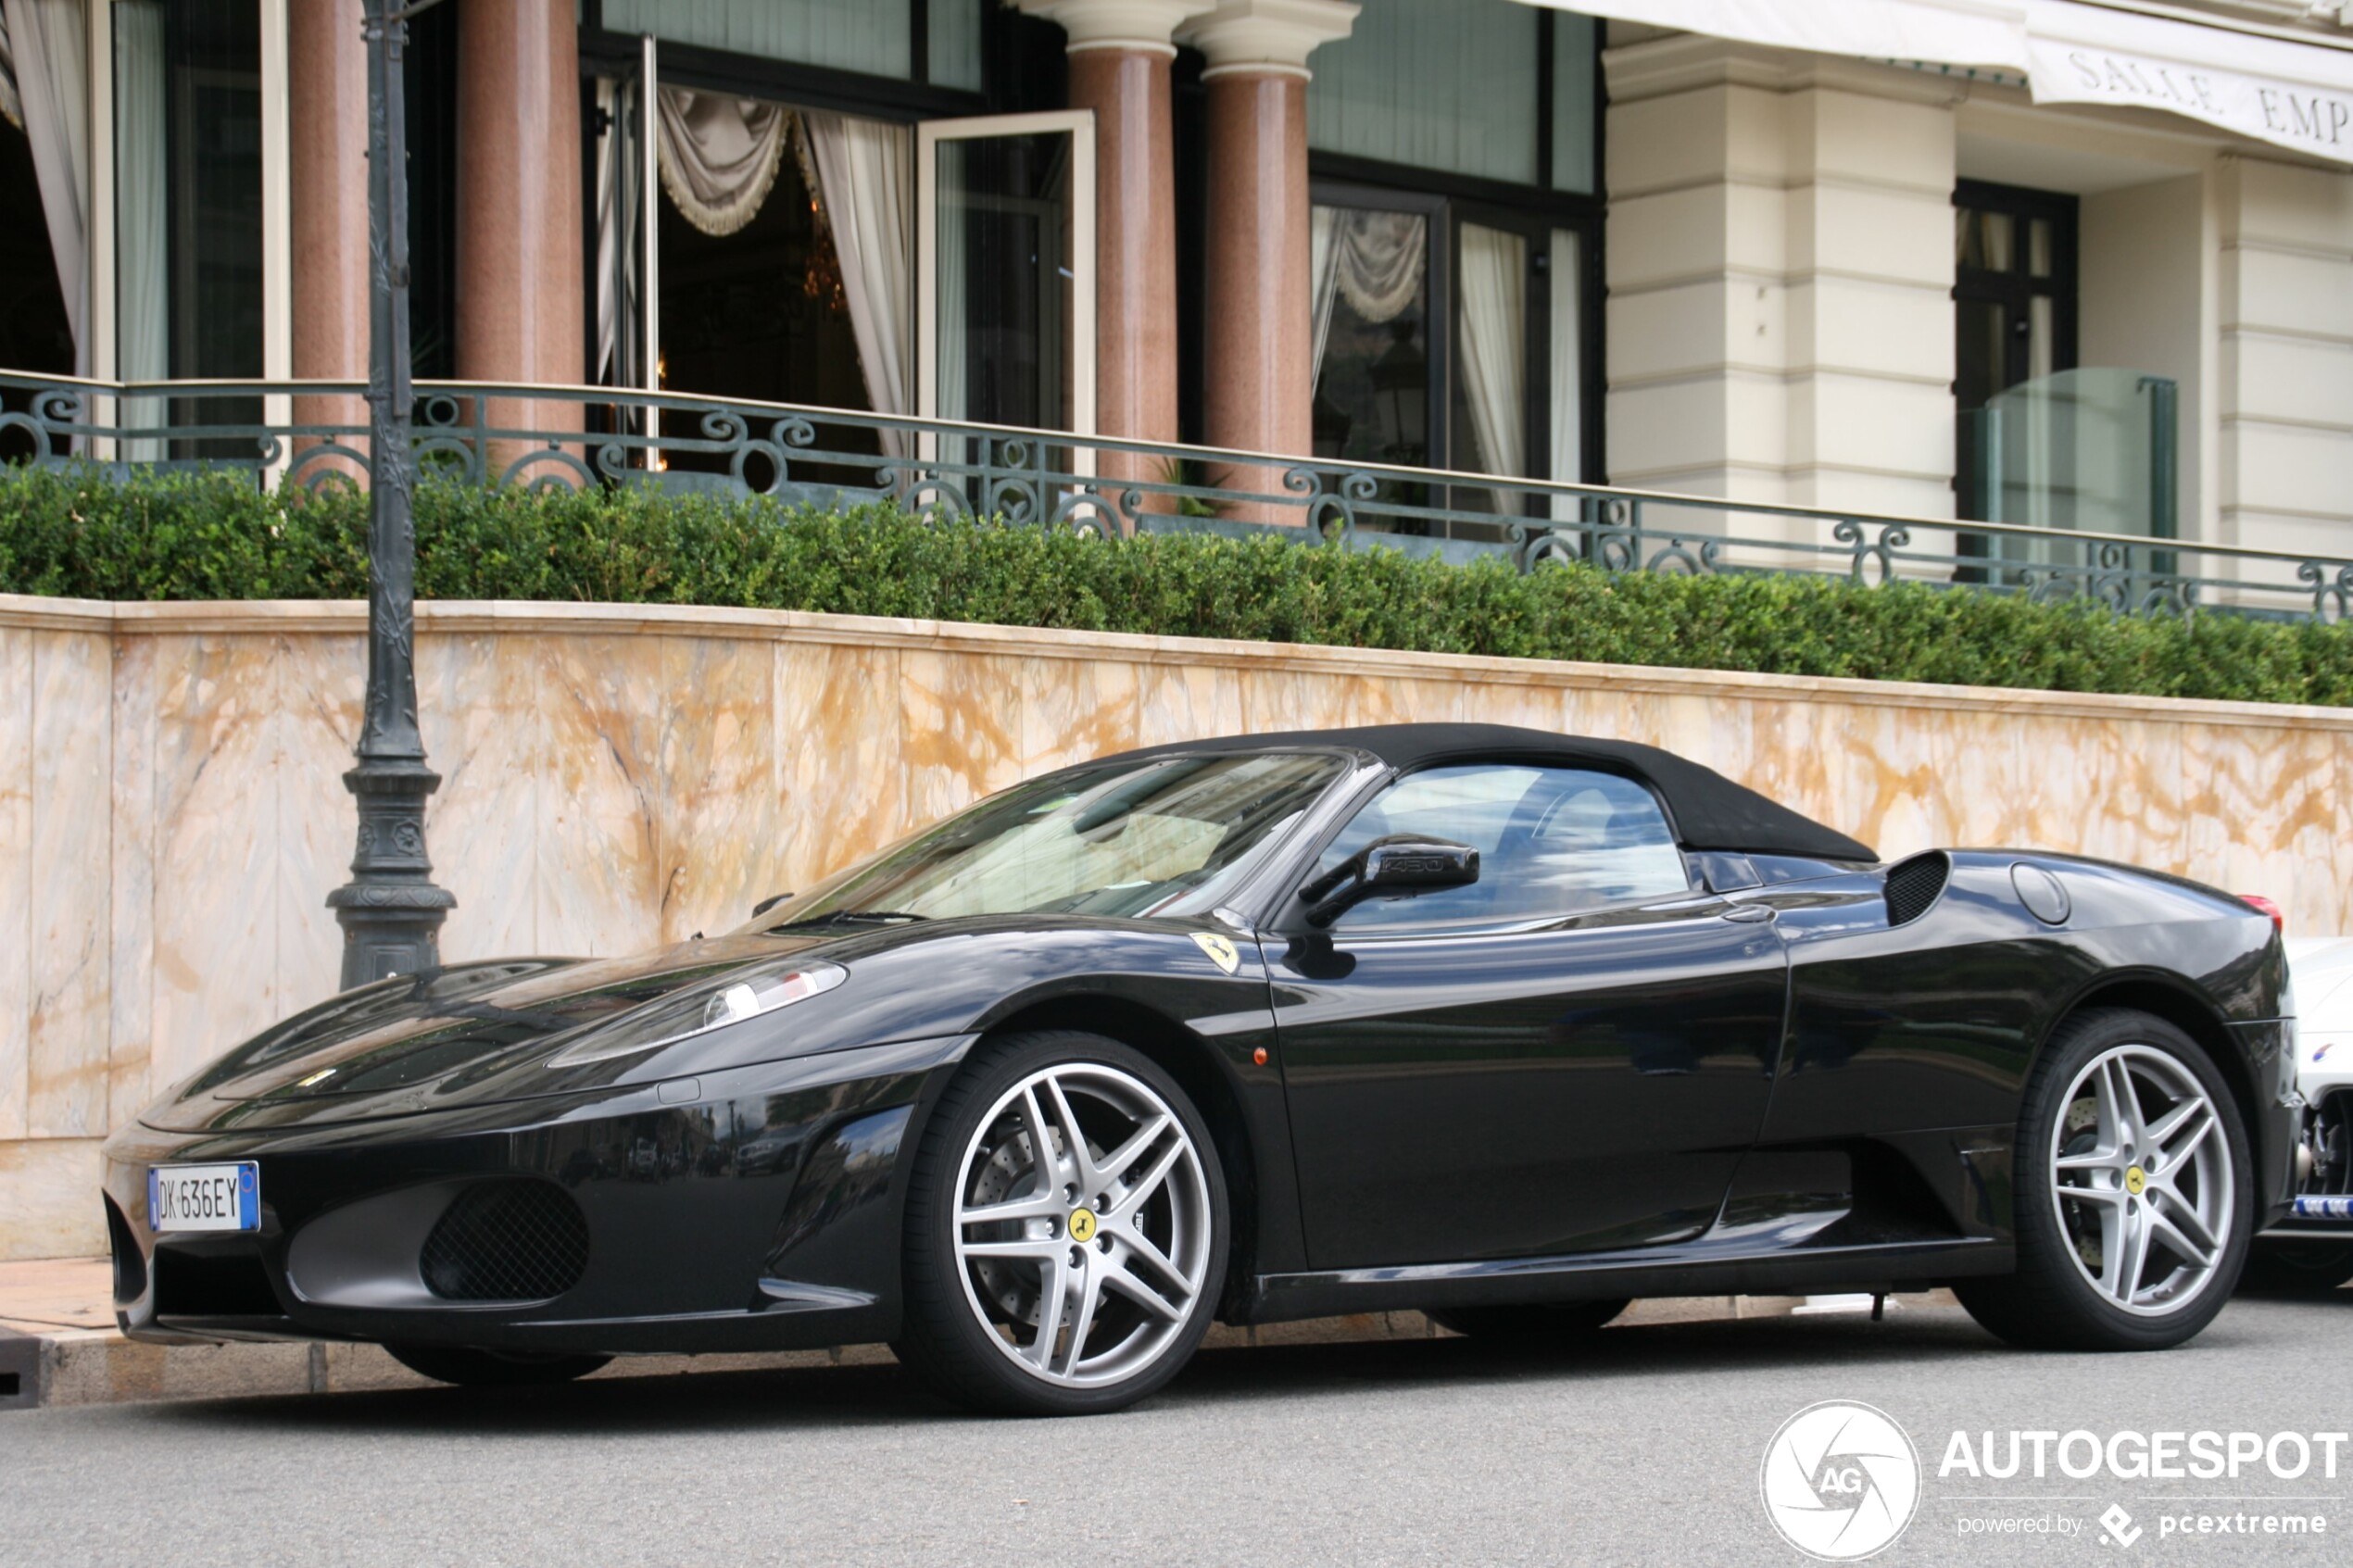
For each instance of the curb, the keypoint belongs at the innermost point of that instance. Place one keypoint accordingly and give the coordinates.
(77, 1367)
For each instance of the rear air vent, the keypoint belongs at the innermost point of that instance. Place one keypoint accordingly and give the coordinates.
(1913, 886)
(506, 1241)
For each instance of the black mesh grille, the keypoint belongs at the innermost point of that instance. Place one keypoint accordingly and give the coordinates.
(506, 1241)
(1913, 886)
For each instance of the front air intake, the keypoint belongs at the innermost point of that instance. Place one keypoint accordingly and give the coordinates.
(515, 1240)
(1913, 886)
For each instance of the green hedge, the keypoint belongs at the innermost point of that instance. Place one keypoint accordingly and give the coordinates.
(208, 537)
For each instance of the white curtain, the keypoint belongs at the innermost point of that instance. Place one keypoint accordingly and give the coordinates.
(1321, 221)
(950, 244)
(11, 107)
(866, 184)
(142, 171)
(719, 154)
(1567, 381)
(1492, 290)
(50, 46)
(619, 205)
(1373, 259)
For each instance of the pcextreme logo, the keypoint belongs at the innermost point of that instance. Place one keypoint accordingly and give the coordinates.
(1840, 1481)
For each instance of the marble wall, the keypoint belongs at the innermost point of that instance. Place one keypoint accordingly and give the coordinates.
(172, 813)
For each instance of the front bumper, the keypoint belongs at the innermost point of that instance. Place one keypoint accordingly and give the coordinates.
(752, 1209)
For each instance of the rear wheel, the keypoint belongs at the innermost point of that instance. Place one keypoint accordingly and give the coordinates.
(2134, 1202)
(1536, 1323)
(1066, 1228)
(492, 1369)
(2296, 1268)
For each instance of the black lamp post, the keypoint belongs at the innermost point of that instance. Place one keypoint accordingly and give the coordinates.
(390, 911)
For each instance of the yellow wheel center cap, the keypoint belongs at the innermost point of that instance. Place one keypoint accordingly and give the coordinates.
(1082, 1222)
(2135, 1179)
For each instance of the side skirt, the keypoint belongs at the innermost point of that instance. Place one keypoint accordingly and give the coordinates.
(1688, 1268)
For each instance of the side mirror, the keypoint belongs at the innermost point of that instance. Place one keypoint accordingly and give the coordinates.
(768, 903)
(1398, 866)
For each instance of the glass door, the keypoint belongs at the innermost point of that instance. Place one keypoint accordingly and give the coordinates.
(1005, 276)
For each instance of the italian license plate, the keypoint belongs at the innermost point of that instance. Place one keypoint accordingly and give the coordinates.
(203, 1198)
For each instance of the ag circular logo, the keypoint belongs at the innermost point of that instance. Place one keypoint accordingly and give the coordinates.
(1840, 1481)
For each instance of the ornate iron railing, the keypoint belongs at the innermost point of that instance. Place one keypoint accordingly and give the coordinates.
(314, 433)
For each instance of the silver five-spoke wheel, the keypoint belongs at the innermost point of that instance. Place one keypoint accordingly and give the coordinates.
(2134, 1187)
(2142, 1179)
(1083, 1232)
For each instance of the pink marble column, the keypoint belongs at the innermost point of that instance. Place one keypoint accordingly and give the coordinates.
(1135, 247)
(519, 211)
(327, 104)
(1258, 394)
(1120, 52)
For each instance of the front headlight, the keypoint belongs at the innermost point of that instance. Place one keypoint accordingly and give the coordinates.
(697, 1009)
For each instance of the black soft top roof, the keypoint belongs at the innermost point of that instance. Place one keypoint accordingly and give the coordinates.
(1709, 810)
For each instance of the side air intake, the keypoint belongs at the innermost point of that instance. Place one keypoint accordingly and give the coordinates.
(1913, 886)
(516, 1240)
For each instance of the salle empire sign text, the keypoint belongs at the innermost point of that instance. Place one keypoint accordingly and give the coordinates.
(2289, 114)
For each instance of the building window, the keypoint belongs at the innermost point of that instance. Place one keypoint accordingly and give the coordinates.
(36, 332)
(1491, 89)
(1456, 241)
(934, 40)
(188, 167)
(2014, 265)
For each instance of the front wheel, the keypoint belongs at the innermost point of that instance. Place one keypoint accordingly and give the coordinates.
(2134, 1196)
(1066, 1228)
(492, 1369)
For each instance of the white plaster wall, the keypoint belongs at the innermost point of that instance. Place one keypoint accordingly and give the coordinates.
(2284, 373)
(2143, 305)
(1780, 272)
(1780, 263)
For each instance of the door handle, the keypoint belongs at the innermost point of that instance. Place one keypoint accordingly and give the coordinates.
(1749, 913)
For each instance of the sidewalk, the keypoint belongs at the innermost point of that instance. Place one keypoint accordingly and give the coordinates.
(58, 1345)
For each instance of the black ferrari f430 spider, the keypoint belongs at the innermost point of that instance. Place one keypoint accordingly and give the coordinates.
(1506, 1026)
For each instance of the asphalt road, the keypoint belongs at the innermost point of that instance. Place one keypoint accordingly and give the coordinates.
(1642, 1448)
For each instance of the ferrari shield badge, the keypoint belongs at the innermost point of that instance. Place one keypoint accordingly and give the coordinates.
(1221, 952)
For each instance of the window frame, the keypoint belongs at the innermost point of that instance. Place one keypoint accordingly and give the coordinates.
(2013, 292)
(1289, 916)
(1350, 180)
(2015, 289)
(907, 98)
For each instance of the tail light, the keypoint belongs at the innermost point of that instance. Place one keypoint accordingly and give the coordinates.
(2257, 900)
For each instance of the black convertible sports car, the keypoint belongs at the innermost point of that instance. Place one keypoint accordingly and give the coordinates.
(1505, 1025)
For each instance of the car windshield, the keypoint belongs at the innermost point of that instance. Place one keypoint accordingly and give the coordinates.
(1166, 836)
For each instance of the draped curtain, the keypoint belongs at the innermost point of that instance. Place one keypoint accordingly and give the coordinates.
(11, 109)
(49, 51)
(866, 184)
(719, 158)
(1492, 291)
(1371, 258)
(719, 154)
(143, 211)
(619, 245)
(1567, 381)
